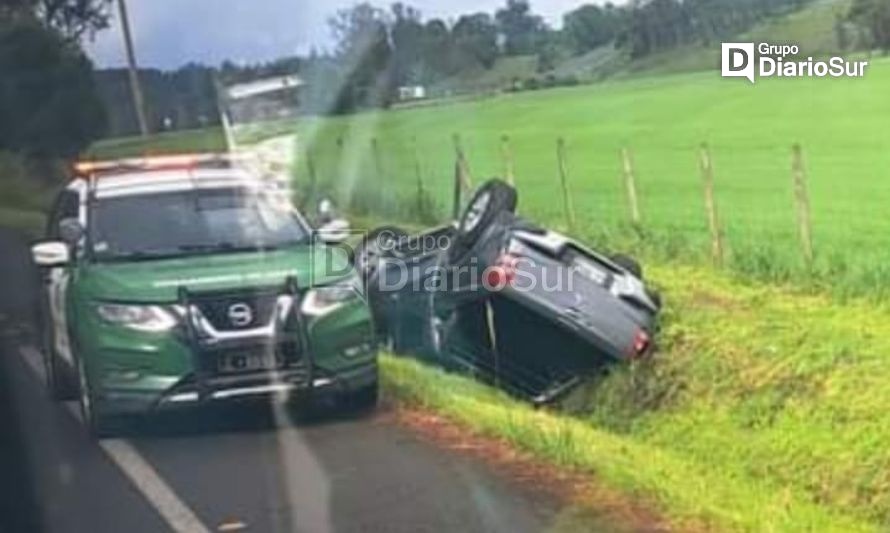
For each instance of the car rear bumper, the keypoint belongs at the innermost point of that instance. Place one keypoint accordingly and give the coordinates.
(276, 386)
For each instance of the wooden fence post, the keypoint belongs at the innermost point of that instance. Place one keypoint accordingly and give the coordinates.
(563, 178)
(630, 183)
(802, 202)
(507, 155)
(378, 163)
(460, 156)
(313, 183)
(707, 171)
(419, 177)
(458, 187)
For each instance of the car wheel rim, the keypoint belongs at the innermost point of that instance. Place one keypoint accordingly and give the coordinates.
(367, 258)
(475, 212)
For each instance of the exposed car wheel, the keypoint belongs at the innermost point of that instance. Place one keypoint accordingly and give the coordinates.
(57, 376)
(99, 426)
(628, 263)
(490, 200)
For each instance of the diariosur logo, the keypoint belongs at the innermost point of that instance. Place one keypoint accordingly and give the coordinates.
(739, 60)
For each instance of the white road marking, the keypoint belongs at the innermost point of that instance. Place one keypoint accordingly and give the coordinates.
(161, 496)
(176, 513)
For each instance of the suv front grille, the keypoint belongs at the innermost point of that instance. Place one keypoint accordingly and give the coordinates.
(237, 311)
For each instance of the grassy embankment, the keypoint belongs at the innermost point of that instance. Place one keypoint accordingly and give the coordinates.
(765, 410)
(23, 200)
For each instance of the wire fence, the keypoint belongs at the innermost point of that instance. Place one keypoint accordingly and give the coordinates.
(768, 228)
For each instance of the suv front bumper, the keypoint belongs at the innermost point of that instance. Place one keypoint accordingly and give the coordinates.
(172, 393)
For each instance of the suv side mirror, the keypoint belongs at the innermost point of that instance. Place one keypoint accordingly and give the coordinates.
(334, 232)
(326, 212)
(71, 231)
(51, 254)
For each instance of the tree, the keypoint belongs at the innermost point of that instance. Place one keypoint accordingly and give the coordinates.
(50, 106)
(592, 26)
(475, 37)
(520, 29)
(435, 49)
(73, 19)
(874, 17)
(365, 56)
(407, 42)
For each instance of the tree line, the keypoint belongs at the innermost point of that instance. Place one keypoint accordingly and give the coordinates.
(54, 104)
(376, 50)
(49, 101)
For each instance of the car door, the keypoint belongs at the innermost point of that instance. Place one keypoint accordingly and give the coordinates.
(57, 279)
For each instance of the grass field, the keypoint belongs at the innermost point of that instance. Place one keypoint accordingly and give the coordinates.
(765, 410)
(840, 123)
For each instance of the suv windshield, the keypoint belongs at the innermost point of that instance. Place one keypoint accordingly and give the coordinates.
(191, 222)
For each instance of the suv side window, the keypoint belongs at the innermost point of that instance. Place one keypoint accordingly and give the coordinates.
(67, 205)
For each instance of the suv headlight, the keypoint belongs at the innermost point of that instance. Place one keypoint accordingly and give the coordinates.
(322, 300)
(148, 318)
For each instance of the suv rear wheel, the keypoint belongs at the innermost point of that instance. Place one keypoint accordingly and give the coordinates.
(58, 377)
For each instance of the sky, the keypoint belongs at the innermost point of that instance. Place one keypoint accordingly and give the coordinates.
(170, 33)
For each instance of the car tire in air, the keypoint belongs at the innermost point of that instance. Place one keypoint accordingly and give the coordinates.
(490, 200)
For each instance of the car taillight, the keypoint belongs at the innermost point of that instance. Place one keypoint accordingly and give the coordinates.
(641, 344)
(502, 273)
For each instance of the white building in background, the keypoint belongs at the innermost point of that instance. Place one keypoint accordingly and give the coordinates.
(264, 99)
(412, 92)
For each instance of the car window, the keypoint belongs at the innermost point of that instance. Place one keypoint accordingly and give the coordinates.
(191, 222)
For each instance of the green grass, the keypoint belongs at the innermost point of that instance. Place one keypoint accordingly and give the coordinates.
(765, 410)
(207, 140)
(29, 222)
(840, 123)
(24, 199)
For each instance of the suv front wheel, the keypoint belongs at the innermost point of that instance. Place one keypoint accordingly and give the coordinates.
(363, 399)
(99, 425)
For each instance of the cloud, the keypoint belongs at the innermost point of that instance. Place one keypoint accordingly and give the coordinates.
(170, 33)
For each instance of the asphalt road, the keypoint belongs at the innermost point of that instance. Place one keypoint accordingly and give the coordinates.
(244, 469)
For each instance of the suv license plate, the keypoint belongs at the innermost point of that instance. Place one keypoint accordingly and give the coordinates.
(247, 362)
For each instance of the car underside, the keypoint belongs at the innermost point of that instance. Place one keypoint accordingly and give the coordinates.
(516, 305)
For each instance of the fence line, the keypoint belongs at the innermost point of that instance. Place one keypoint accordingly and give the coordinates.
(462, 184)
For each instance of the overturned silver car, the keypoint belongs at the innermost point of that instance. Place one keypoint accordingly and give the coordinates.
(514, 304)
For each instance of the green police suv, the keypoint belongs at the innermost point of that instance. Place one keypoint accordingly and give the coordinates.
(186, 280)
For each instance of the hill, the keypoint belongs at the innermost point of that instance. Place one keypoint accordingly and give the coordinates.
(812, 28)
